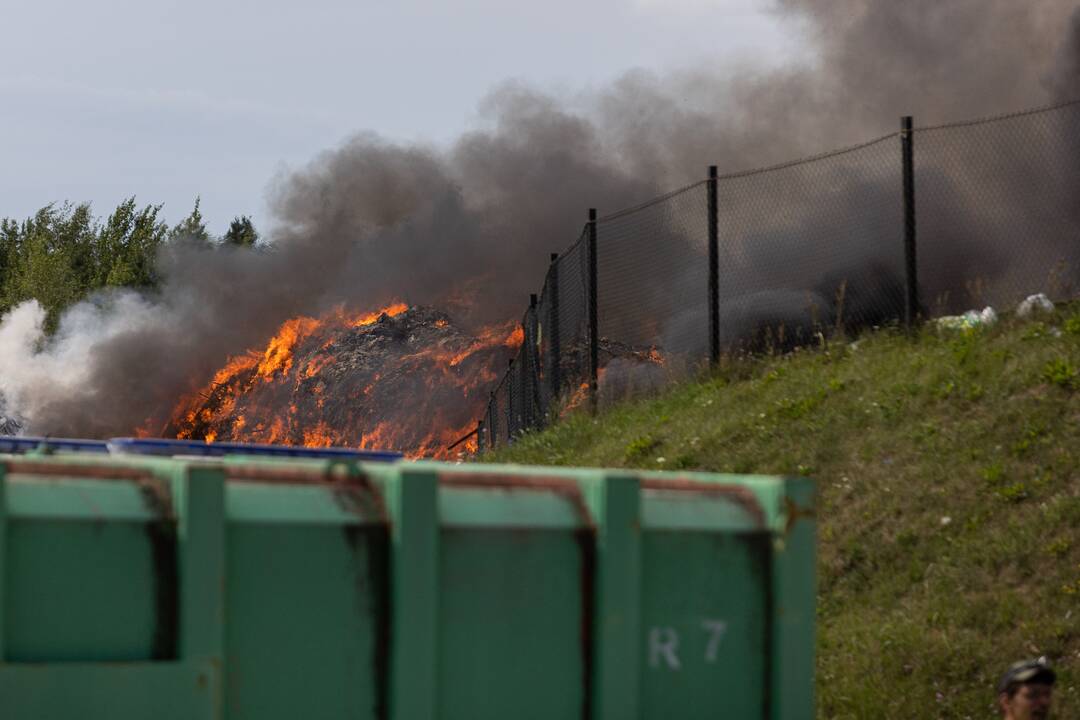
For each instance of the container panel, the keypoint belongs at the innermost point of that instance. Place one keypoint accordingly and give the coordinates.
(89, 591)
(512, 613)
(705, 608)
(110, 691)
(305, 622)
(326, 589)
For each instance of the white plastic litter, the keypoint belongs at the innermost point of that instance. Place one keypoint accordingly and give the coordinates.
(1033, 303)
(969, 320)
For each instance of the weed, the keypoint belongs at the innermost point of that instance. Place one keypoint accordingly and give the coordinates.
(640, 447)
(1035, 331)
(772, 376)
(1033, 435)
(1072, 324)
(855, 556)
(1062, 373)
(1058, 547)
(945, 390)
(1016, 492)
(907, 539)
(795, 409)
(964, 346)
(684, 462)
(993, 473)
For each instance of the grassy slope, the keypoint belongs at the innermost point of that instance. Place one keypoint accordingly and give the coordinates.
(949, 508)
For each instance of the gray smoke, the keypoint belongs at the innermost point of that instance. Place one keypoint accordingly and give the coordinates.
(468, 228)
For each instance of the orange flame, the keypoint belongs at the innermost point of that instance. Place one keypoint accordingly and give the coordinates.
(278, 355)
(373, 317)
(419, 399)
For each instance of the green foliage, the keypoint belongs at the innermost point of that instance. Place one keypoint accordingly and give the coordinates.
(191, 230)
(62, 254)
(241, 232)
(1072, 324)
(1062, 373)
(640, 447)
(1013, 492)
(128, 245)
(993, 473)
(1058, 548)
(50, 257)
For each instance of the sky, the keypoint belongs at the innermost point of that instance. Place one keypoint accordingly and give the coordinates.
(169, 100)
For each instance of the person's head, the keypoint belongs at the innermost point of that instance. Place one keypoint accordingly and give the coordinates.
(1024, 690)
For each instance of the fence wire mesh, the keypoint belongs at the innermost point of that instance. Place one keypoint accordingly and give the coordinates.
(998, 208)
(573, 318)
(810, 247)
(652, 300)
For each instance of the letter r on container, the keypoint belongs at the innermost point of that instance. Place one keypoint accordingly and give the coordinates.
(664, 644)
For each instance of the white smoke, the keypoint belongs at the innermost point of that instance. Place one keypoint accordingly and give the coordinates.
(37, 371)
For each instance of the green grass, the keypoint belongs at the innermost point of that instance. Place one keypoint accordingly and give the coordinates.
(949, 498)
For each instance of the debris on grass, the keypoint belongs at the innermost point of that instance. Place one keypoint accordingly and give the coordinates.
(970, 320)
(1033, 303)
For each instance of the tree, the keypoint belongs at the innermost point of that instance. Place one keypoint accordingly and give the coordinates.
(191, 230)
(128, 243)
(62, 254)
(52, 260)
(241, 232)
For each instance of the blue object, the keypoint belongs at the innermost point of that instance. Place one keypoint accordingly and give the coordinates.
(22, 445)
(157, 446)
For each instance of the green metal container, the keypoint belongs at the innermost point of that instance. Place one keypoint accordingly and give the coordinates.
(147, 588)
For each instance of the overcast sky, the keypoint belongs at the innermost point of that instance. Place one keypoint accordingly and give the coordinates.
(167, 100)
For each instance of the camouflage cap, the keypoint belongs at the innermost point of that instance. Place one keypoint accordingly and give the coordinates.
(1027, 671)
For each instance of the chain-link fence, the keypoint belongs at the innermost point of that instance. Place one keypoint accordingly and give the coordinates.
(998, 209)
(916, 224)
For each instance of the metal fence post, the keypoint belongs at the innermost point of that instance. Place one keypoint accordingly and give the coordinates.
(911, 268)
(714, 270)
(555, 371)
(594, 340)
(534, 419)
(510, 427)
(523, 372)
(493, 422)
(479, 436)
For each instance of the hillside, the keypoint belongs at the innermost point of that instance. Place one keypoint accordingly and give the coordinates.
(949, 508)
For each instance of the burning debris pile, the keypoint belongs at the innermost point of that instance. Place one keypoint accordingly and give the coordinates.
(402, 378)
(9, 426)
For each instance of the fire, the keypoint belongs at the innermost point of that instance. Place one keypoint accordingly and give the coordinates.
(278, 355)
(373, 317)
(515, 338)
(581, 394)
(397, 378)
